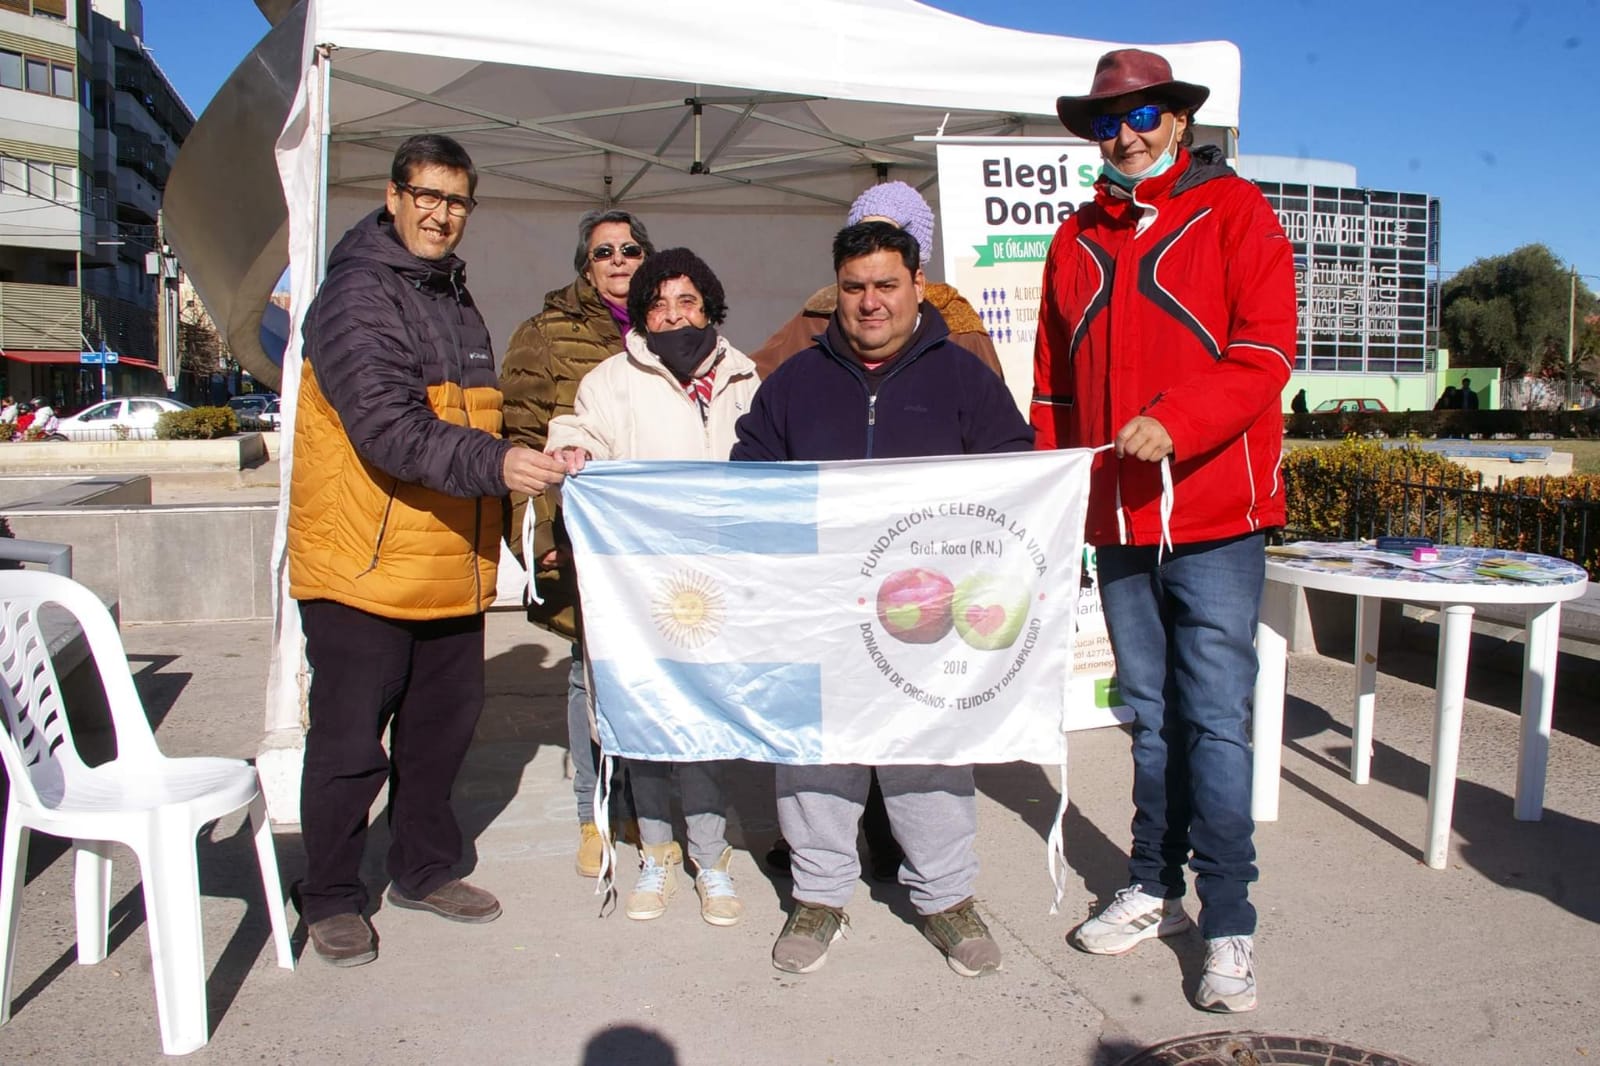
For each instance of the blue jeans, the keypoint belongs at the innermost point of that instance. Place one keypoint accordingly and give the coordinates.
(585, 753)
(1183, 632)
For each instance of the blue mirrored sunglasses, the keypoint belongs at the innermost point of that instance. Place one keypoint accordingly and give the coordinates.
(1139, 120)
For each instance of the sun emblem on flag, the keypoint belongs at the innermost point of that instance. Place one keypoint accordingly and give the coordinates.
(688, 608)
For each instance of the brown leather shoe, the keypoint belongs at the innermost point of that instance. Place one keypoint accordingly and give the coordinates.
(455, 900)
(343, 940)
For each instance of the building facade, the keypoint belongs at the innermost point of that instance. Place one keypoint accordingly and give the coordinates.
(1366, 277)
(89, 127)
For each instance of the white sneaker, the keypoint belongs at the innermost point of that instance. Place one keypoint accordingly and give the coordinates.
(1132, 916)
(1229, 982)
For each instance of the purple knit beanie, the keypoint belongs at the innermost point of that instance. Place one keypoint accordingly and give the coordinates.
(898, 201)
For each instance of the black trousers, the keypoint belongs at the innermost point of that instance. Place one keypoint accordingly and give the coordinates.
(423, 682)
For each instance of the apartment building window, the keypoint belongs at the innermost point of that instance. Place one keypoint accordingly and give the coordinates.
(18, 71)
(56, 9)
(32, 177)
(13, 176)
(41, 180)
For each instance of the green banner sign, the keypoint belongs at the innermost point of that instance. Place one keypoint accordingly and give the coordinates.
(1013, 248)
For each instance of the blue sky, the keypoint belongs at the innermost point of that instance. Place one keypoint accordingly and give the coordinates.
(1489, 106)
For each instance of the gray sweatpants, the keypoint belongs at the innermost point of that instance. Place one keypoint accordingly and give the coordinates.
(704, 812)
(933, 811)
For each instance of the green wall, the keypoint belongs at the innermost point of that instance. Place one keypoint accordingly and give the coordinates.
(1399, 392)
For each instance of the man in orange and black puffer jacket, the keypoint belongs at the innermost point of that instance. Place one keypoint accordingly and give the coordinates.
(394, 533)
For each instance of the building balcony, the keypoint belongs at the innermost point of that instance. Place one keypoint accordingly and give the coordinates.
(40, 317)
(33, 222)
(61, 318)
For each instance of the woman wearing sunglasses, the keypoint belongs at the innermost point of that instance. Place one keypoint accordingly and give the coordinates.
(1167, 329)
(581, 325)
(674, 392)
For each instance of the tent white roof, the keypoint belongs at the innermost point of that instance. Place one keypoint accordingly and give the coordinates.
(798, 102)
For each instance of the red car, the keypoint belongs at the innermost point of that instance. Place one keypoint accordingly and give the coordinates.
(1346, 404)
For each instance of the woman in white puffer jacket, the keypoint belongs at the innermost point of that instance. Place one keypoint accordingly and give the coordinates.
(674, 392)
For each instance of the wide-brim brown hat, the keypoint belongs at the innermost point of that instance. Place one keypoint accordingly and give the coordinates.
(1122, 73)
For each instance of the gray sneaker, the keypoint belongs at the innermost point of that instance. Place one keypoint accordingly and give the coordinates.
(1228, 985)
(1131, 917)
(803, 945)
(964, 939)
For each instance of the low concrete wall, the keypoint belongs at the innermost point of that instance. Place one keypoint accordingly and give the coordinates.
(1557, 464)
(196, 563)
(229, 453)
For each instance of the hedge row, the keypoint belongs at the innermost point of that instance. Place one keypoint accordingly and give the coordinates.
(1360, 488)
(200, 423)
(1520, 425)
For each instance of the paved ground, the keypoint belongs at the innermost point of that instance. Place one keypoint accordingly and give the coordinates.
(225, 486)
(1489, 962)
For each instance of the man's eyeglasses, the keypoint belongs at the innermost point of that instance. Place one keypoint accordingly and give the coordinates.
(1139, 120)
(430, 199)
(602, 252)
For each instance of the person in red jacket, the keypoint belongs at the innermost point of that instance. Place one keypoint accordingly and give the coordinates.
(1167, 330)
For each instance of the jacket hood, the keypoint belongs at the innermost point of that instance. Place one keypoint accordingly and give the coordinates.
(579, 298)
(374, 240)
(1205, 164)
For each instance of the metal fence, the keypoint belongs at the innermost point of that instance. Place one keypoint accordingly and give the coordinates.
(1548, 517)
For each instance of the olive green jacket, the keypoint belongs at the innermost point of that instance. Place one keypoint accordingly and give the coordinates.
(547, 357)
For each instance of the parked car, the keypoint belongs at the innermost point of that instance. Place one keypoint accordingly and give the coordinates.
(250, 403)
(129, 417)
(271, 414)
(1347, 404)
(249, 408)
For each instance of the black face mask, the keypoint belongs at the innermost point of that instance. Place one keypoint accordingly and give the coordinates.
(682, 350)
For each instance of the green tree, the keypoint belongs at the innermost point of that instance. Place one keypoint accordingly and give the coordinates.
(1510, 311)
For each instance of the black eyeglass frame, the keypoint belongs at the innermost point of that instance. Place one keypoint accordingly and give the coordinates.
(459, 206)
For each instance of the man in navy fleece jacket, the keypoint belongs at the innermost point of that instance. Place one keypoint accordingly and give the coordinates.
(883, 381)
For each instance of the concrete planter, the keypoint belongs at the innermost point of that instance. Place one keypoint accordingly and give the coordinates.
(228, 453)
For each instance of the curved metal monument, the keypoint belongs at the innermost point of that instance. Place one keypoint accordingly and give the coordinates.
(224, 210)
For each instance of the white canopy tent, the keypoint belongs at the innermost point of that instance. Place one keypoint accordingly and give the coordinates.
(741, 129)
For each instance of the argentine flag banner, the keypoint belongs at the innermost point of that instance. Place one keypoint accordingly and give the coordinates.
(892, 611)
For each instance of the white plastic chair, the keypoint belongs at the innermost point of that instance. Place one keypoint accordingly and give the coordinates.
(154, 805)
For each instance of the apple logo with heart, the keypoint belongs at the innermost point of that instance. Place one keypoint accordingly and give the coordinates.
(988, 610)
(914, 605)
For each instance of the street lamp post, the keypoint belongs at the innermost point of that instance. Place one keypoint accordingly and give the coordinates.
(1572, 322)
(163, 264)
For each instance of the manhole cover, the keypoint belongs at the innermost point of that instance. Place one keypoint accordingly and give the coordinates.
(1260, 1049)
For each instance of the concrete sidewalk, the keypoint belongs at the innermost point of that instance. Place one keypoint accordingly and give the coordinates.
(1491, 961)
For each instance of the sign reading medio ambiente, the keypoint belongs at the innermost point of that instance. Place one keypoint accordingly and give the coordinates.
(1361, 275)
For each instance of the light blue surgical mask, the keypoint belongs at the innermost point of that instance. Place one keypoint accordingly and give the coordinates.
(1162, 164)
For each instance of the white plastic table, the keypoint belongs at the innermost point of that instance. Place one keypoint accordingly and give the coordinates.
(1456, 591)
